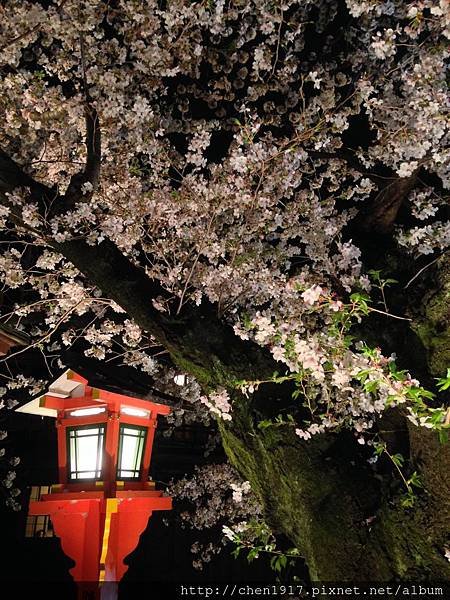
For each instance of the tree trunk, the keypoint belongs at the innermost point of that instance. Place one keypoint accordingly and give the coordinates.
(432, 315)
(348, 525)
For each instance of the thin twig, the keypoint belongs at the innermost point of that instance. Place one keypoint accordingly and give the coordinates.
(47, 335)
(422, 270)
(382, 312)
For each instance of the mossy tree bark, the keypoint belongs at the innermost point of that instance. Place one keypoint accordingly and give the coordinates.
(348, 524)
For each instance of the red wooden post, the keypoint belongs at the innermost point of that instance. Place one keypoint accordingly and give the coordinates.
(111, 449)
(62, 451)
(148, 449)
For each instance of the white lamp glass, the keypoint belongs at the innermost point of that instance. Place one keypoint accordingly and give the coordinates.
(131, 448)
(85, 412)
(134, 412)
(86, 452)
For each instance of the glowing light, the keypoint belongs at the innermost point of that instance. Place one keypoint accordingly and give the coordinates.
(131, 447)
(86, 451)
(134, 412)
(84, 412)
(180, 379)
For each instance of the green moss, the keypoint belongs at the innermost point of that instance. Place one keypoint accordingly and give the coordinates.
(187, 365)
(211, 377)
(412, 544)
(315, 495)
(433, 324)
(304, 497)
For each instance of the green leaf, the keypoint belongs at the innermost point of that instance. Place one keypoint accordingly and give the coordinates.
(371, 386)
(254, 553)
(444, 382)
(380, 447)
(443, 436)
(376, 275)
(398, 460)
(415, 480)
(408, 500)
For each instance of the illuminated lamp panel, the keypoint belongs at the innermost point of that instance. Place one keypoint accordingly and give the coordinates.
(85, 445)
(86, 412)
(135, 412)
(131, 451)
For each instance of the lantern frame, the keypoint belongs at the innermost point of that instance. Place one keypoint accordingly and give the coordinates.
(99, 519)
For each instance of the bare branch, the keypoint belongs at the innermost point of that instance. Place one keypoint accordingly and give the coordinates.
(93, 134)
(422, 270)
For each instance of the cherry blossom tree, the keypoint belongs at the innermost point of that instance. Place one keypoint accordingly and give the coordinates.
(252, 194)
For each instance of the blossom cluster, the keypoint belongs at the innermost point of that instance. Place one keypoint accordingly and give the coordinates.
(219, 404)
(230, 232)
(342, 384)
(212, 497)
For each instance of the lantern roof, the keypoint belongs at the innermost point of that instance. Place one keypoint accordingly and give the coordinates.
(71, 390)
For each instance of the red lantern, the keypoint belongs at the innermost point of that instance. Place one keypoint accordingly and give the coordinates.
(103, 500)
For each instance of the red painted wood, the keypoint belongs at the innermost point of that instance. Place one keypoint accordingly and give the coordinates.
(111, 449)
(63, 496)
(77, 524)
(50, 401)
(129, 420)
(148, 450)
(88, 420)
(127, 525)
(62, 452)
(160, 409)
(139, 493)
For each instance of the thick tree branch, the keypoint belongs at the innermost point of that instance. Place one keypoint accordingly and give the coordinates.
(197, 340)
(93, 147)
(380, 215)
(12, 176)
(91, 172)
